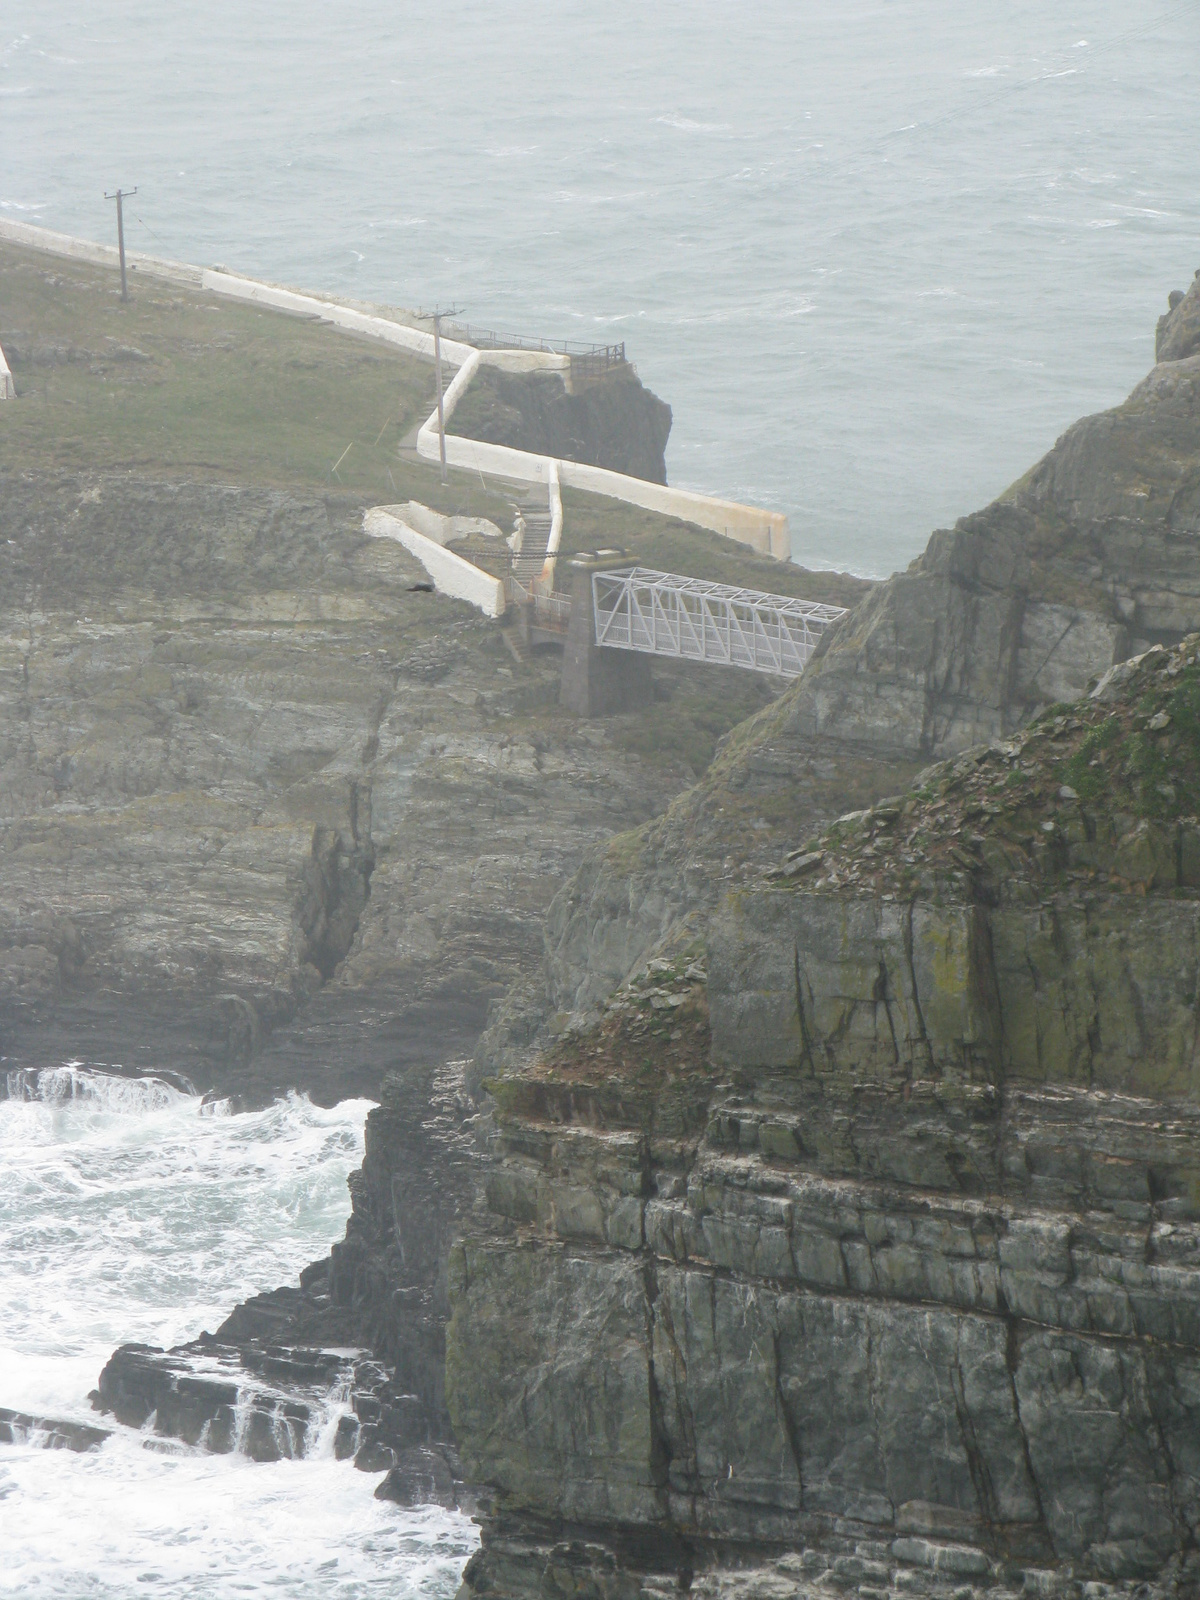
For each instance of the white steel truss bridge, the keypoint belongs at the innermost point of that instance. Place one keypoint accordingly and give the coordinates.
(665, 614)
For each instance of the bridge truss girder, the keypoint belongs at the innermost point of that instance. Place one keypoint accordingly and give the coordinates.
(666, 614)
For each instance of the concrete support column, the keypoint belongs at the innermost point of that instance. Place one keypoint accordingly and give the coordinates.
(596, 682)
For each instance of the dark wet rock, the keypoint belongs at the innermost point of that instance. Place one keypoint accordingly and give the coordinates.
(873, 1266)
(266, 1404)
(426, 1475)
(356, 1350)
(51, 1433)
(613, 422)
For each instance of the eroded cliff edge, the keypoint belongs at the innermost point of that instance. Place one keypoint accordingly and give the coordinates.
(271, 815)
(862, 1248)
(1088, 559)
(828, 1222)
(841, 1228)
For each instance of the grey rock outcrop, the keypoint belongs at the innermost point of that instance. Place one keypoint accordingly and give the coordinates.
(1178, 332)
(1086, 560)
(267, 816)
(863, 1254)
(611, 422)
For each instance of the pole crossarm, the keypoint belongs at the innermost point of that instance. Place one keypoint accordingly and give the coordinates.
(666, 614)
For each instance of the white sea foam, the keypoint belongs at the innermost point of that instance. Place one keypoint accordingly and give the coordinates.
(127, 1214)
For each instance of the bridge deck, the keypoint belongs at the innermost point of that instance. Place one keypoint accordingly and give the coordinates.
(666, 614)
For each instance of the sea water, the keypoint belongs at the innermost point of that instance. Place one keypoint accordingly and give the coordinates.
(130, 1213)
(877, 254)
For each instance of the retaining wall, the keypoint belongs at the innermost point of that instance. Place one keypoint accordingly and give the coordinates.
(414, 340)
(104, 255)
(450, 573)
(764, 531)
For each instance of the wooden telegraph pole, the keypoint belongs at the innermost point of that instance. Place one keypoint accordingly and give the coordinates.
(119, 195)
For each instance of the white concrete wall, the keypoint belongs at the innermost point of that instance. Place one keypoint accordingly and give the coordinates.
(104, 255)
(546, 576)
(396, 333)
(450, 573)
(764, 531)
(7, 389)
(527, 361)
(441, 529)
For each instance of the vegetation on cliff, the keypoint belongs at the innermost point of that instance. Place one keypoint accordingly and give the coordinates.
(1105, 791)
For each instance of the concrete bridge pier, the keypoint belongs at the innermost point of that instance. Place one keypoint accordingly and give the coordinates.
(595, 682)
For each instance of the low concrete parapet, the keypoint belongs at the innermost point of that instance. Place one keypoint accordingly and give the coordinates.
(415, 340)
(449, 572)
(763, 531)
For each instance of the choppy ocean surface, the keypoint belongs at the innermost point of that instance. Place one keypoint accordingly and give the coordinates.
(127, 1215)
(876, 253)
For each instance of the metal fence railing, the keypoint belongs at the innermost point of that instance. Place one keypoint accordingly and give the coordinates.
(666, 614)
(549, 612)
(489, 339)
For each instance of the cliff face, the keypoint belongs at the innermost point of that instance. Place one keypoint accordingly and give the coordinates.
(842, 1220)
(1178, 333)
(1088, 559)
(862, 1251)
(267, 815)
(610, 422)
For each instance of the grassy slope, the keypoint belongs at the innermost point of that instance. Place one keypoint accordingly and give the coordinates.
(219, 390)
(181, 383)
(254, 396)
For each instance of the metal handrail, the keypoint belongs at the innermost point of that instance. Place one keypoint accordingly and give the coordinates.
(551, 611)
(489, 339)
(667, 614)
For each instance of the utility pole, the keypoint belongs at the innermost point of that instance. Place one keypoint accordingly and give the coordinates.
(119, 196)
(437, 363)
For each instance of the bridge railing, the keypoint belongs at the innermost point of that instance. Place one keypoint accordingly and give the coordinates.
(666, 614)
(549, 612)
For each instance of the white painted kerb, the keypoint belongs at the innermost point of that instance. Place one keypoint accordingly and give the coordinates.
(450, 573)
(7, 391)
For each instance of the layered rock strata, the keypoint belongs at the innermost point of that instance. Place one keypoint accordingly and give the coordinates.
(269, 815)
(1088, 559)
(352, 1359)
(865, 1256)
